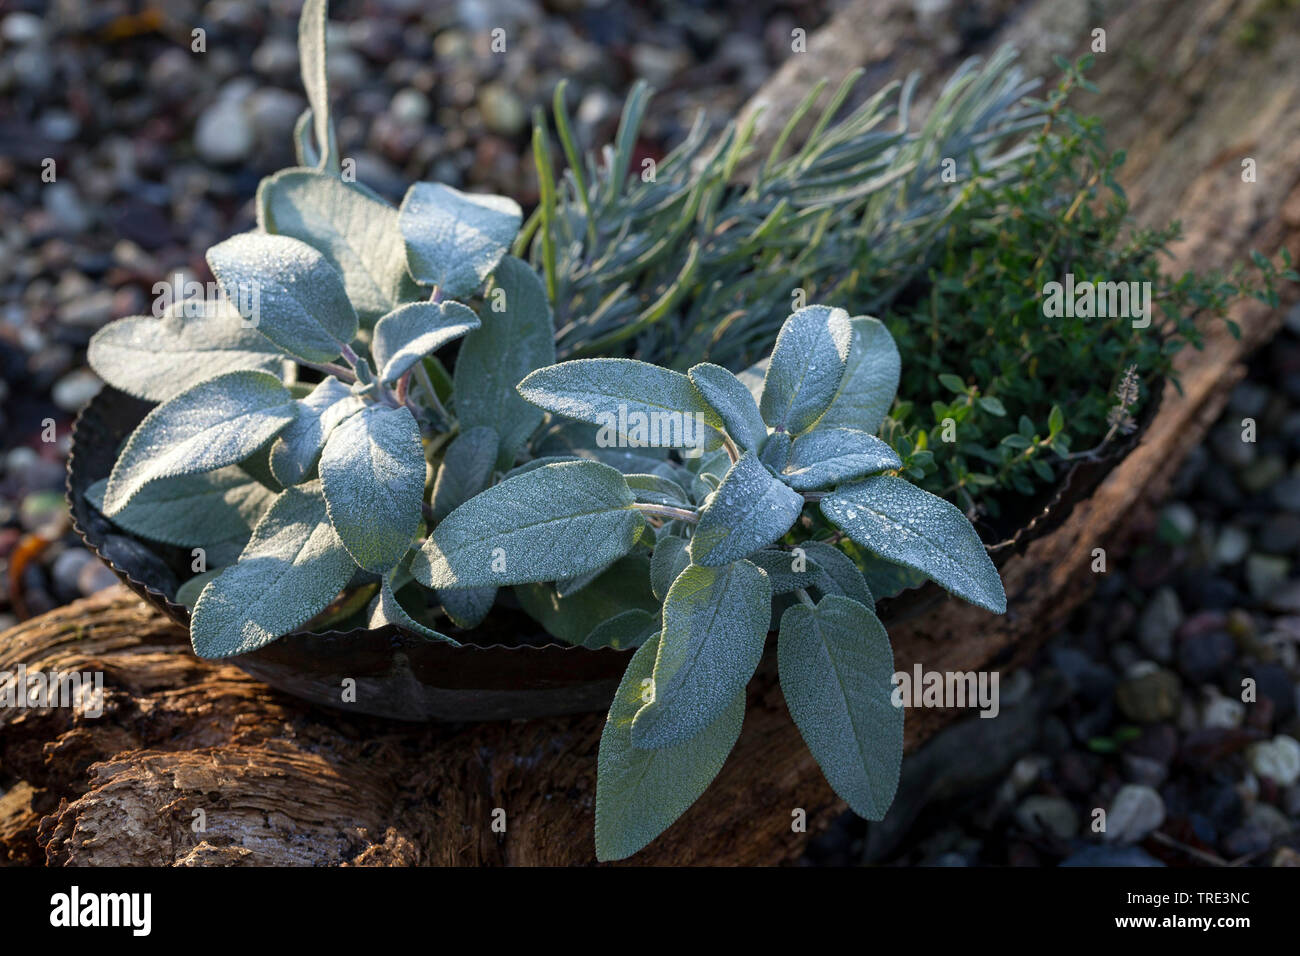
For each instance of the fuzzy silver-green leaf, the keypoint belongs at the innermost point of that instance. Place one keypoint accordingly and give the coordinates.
(715, 623)
(836, 669)
(806, 367)
(633, 403)
(216, 423)
(550, 523)
(908, 526)
(731, 400)
(295, 451)
(495, 357)
(453, 239)
(158, 358)
(825, 457)
(466, 469)
(206, 510)
(748, 511)
(356, 232)
(410, 332)
(289, 291)
(372, 471)
(388, 610)
(640, 793)
(293, 567)
(870, 379)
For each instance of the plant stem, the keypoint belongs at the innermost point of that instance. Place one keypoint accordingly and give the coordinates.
(329, 368)
(667, 511)
(804, 597)
(426, 383)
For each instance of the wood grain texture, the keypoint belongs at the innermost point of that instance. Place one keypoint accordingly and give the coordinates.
(281, 782)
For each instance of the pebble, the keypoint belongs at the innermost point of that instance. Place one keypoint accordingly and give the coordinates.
(502, 111)
(1159, 621)
(1278, 759)
(409, 107)
(1150, 694)
(1112, 856)
(1286, 493)
(1261, 473)
(1220, 711)
(1202, 656)
(1280, 534)
(65, 571)
(1265, 575)
(95, 577)
(1052, 816)
(1230, 546)
(75, 389)
(1178, 523)
(22, 28)
(1143, 770)
(62, 201)
(224, 135)
(1133, 814)
(44, 513)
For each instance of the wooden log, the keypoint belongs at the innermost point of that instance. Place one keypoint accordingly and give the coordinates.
(276, 781)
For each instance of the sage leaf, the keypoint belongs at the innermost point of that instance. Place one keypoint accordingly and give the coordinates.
(732, 401)
(908, 526)
(205, 510)
(158, 358)
(633, 403)
(715, 623)
(776, 451)
(355, 232)
(887, 579)
(870, 379)
(629, 629)
(188, 593)
(410, 332)
(372, 470)
(294, 452)
(289, 291)
(842, 572)
(453, 239)
(315, 78)
(467, 607)
(806, 367)
(388, 610)
(466, 469)
(655, 489)
(495, 357)
(780, 568)
(216, 423)
(670, 559)
(623, 586)
(748, 511)
(640, 793)
(825, 457)
(553, 522)
(836, 670)
(293, 567)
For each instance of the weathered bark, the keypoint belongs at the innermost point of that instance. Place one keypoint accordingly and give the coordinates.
(279, 781)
